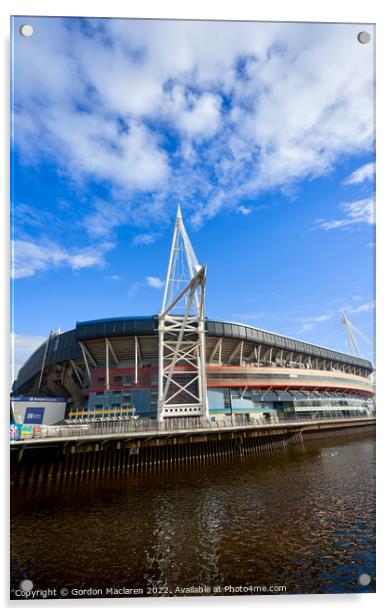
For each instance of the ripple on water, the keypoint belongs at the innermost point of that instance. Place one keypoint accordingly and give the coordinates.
(300, 518)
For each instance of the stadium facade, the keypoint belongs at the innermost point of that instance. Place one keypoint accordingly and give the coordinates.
(181, 363)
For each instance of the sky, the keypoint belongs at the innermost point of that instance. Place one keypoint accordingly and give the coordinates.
(262, 132)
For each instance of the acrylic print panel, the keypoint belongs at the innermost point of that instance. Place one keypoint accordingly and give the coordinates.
(178, 430)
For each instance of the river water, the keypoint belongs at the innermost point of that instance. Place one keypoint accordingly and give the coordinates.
(303, 519)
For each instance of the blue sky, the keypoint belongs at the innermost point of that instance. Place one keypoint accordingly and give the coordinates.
(264, 133)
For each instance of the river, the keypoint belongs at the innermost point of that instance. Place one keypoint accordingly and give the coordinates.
(300, 521)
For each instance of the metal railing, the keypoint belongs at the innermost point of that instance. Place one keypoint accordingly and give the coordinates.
(186, 424)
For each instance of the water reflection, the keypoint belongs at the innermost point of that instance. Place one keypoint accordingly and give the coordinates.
(301, 518)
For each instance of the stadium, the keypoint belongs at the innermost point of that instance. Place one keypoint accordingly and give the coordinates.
(180, 363)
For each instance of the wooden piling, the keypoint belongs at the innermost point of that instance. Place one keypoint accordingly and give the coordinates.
(112, 458)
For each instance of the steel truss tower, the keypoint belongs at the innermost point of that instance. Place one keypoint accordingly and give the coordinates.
(182, 382)
(349, 330)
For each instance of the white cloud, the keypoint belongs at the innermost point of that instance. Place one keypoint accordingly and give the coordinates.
(145, 239)
(34, 216)
(366, 172)
(362, 308)
(22, 347)
(357, 213)
(194, 115)
(309, 323)
(154, 282)
(360, 211)
(99, 148)
(133, 288)
(307, 327)
(150, 281)
(244, 107)
(29, 257)
(323, 317)
(104, 218)
(242, 209)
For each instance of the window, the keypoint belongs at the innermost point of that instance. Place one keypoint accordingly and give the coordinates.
(99, 393)
(101, 380)
(117, 380)
(127, 379)
(98, 407)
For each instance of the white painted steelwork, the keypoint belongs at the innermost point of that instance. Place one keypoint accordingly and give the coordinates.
(349, 331)
(182, 380)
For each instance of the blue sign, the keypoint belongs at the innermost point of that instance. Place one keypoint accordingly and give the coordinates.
(34, 415)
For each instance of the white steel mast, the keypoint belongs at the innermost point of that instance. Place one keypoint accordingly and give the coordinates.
(350, 329)
(182, 382)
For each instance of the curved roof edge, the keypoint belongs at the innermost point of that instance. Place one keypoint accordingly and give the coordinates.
(65, 346)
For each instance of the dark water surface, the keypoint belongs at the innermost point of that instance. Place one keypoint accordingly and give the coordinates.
(304, 519)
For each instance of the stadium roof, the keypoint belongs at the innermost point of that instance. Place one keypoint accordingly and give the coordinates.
(64, 347)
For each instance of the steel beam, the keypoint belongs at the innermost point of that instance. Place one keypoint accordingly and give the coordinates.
(76, 371)
(85, 360)
(88, 354)
(107, 363)
(235, 352)
(112, 351)
(136, 359)
(216, 348)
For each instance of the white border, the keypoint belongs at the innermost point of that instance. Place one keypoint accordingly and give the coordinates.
(371, 11)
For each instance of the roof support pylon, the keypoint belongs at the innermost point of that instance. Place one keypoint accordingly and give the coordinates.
(182, 382)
